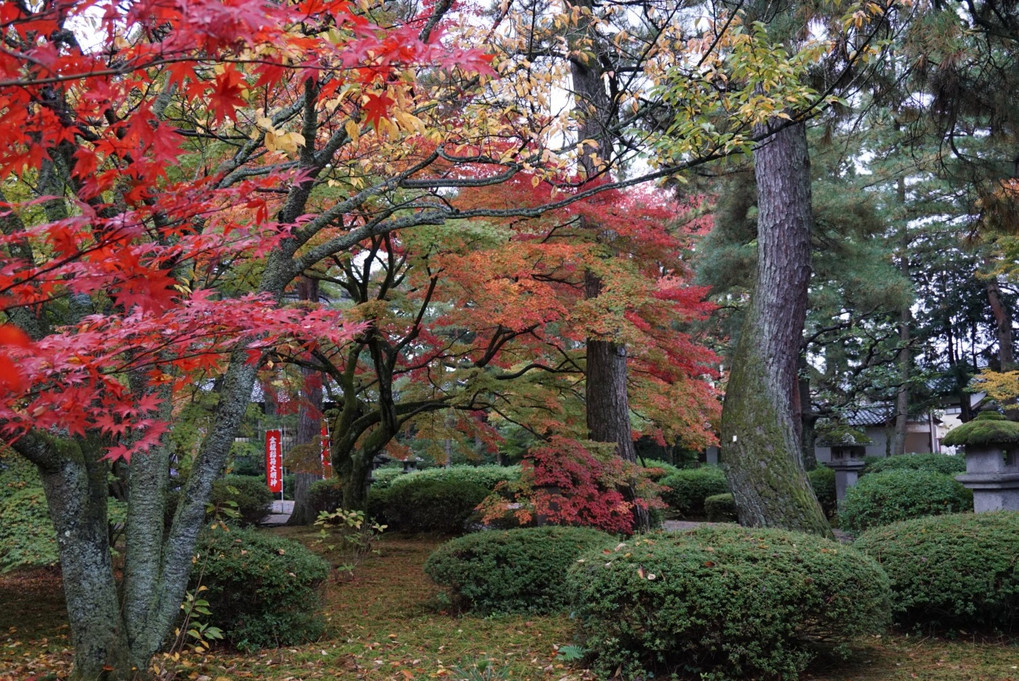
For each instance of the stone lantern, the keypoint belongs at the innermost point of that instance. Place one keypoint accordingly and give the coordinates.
(992, 466)
(848, 447)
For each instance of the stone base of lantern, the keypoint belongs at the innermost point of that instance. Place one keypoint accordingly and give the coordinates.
(847, 473)
(992, 491)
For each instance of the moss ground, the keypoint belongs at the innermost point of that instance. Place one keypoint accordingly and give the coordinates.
(388, 623)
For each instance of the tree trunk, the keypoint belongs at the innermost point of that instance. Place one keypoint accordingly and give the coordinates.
(607, 403)
(1003, 325)
(309, 424)
(902, 395)
(761, 413)
(904, 359)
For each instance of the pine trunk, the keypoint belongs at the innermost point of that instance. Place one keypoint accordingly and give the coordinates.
(761, 413)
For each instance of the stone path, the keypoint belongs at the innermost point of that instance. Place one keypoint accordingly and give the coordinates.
(280, 513)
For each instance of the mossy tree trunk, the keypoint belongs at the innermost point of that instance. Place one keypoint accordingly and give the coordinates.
(761, 436)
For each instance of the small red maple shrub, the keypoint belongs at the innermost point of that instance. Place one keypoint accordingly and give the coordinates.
(576, 482)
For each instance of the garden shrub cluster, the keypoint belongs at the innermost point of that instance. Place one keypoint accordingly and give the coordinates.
(939, 463)
(242, 500)
(27, 538)
(901, 494)
(485, 476)
(688, 488)
(822, 481)
(948, 572)
(326, 495)
(250, 494)
(720, 508)
(663, 469)
(262, 589)
(520, 570)
(427, 504)
(725, 603)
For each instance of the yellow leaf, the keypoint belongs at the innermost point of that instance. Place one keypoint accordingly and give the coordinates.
(353, 131)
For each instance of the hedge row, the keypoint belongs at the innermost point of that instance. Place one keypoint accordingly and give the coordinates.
(951, 572)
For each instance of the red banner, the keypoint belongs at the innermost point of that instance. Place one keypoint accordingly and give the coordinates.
(327, 463)
(274, 460)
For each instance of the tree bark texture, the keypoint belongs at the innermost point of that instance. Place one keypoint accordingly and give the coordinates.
(761, 412)
(1003, 325)
(77, 492)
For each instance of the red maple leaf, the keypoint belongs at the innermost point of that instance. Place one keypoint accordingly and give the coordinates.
(225, 98)
(377, 108)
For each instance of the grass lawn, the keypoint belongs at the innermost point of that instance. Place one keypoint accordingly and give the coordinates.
(387, 623)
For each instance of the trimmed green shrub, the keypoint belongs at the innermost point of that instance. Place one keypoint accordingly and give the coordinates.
(382, 477)
(250, 494)
(522, 570)
(237, 499)
(262, 589)
(427, 504)
(822, 481)
(939, 463)
(688, 488)
(720, 508)
(485, 476)
(951, 571)
(725, 602)
(27, 538)
(326, 495)
(883, 498)
(665, 467)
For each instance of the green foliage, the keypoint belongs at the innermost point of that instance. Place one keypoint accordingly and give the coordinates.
(16, 473)
(688, 488)
(195, 629)
(521, 570)
(427, 503)
(725, 603)
(237, 499)
(720, 508)
(26, 532)
(822, 481)
(988, 428)
(326, 495)
(248, 496)
(939, 463)
(382, 477)
(262, 590)
(353, 532)
(883, 498)
(485, 476)
(662, 469)
(952, 571)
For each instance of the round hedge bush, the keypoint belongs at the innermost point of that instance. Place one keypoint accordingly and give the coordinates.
(241, 500)
(939, 463)
(822, 481)
(325, 495)
(262, 589)
(250, 494)
(949, 572)
(427, 504)
(883, 498)
(725, 603)
(486, 476)
(521, 570)
(721, 508)
(688, 488)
